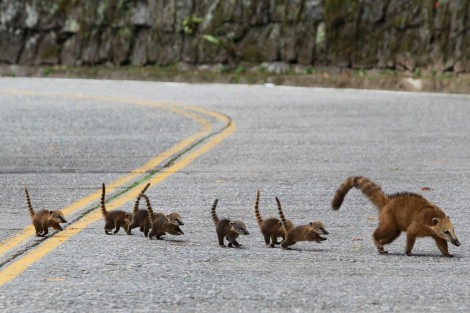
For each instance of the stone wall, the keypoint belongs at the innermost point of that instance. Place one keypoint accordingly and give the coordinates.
(394, 34)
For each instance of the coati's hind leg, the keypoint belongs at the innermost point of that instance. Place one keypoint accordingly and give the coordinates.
(273, 241)
(386, 232)
(267, 239)
(442, 245)
(221, 240)
(108, 227)
(45, 230)
(380, 239)
(410, 242)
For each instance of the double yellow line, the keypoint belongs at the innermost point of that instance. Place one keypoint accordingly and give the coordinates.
(195, 113)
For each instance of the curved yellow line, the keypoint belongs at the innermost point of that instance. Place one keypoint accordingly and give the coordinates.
(19, 266)
(205, 128)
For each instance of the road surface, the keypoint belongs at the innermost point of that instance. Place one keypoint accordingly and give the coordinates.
(63, 138)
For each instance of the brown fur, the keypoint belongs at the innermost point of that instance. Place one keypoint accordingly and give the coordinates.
(271, 228)
(299, 233)
(408, 212)
(175, 218)
(114, 219)
(160, 224)
(228, 229)
(44, 219)
(140, 218)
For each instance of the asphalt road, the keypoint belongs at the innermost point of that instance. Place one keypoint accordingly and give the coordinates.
(295, 143)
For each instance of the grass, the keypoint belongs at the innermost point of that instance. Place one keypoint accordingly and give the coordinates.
(306, 76)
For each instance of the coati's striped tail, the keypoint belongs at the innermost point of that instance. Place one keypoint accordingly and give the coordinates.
(259, 219)
(371, 190)
(281, 214)
(28, 201)
(213, 214)
(149, 208)
(145, 188)
(103, 206)
(137, 201)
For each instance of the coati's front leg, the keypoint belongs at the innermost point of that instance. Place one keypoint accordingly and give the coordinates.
(117, 229)
(233, 242)
(442, 245)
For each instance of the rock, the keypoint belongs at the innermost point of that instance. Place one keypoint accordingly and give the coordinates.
(139, 51)
(11, 43)
(28, 56)
(48, 50)
(90, 50)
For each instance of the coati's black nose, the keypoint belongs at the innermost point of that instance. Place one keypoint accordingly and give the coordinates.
(246, 232)
(181, 223)
(325, 232)
(455, 242)
(322, 238)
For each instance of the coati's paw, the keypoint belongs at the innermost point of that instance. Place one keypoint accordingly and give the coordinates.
(383, 252)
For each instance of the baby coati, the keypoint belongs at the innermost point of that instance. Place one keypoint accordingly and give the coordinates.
(44, 219)
(271, 228)
(160, 223)
(139, 217)
(228, 229)
(405, 211)
(175, 218)
(309, 232)
(114, 219)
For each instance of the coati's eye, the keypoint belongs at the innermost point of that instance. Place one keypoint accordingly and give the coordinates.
(446, 232)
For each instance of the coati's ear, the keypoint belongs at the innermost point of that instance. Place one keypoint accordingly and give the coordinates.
(231, 223)
(435, 221)
(280, 223)
(311, 223)
(128, 215)
(51, 212)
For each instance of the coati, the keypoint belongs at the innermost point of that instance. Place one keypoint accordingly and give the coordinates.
(175, 217)
(160, 224)
(139, 217)
(44, 219)
(404, 211)
(226, 228)
(271, 228)
(114, 219)
(300, 233)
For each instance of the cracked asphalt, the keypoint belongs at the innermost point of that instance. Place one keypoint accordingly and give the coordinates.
(295, 143)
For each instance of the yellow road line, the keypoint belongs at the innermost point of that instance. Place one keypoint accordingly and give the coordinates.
(205, 128)
(19, 266)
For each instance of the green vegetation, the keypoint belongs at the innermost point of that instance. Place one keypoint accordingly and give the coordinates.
(190, 24)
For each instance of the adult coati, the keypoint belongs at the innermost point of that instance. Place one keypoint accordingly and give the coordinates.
(114, 219)
(405, 211)
(271, 228)
(226, 228)
(43, 219)
(139, 217)
(160, 223)
(309, 232)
